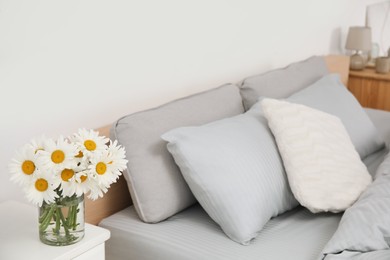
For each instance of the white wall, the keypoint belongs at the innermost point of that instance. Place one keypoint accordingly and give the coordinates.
(84, 63)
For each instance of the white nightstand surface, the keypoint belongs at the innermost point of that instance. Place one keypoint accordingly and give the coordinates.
(19, 238)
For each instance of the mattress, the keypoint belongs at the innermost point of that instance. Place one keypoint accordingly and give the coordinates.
(192, 234)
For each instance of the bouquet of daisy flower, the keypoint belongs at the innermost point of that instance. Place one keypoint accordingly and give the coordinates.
(55, 175)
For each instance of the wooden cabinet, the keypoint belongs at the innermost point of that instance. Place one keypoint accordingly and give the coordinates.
(370, 88)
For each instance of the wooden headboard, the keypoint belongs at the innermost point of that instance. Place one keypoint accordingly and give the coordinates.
(118, 197)
(339, 64)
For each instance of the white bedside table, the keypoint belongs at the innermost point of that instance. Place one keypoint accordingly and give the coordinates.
(19, 238)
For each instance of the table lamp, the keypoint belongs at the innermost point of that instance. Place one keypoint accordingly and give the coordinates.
(358, 40)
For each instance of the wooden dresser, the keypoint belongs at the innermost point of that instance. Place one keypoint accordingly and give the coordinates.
(370, 88)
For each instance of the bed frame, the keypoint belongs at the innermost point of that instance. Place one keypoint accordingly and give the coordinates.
(118, 196)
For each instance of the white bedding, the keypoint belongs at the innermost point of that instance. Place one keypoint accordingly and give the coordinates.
(191, 234)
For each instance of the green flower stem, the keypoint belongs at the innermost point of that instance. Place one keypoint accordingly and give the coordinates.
(70, 217)
(44, 215)
(58, 222)
(46, 220)
(64, 224)
(74, 217)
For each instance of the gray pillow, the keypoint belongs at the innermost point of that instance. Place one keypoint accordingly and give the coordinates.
(155, 183)
(281, 83)
(234, 170)
(380, 119)
(330, 95)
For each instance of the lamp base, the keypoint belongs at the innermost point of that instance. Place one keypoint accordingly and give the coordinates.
(357, 62)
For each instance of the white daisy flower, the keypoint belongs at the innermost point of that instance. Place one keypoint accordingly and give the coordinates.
(70, 178)
(85, 183)
(107, 167)
(97, 191)
(81, 161)
(58, 155)
(85, 163)
(38, 143)
(118, 154)
(24, 165)
(89, 142)
(42, 188)
(68, 182)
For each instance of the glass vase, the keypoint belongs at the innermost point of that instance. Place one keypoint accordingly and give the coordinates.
(62, 223)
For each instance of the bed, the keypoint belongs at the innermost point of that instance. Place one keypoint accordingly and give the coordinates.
(188, 232)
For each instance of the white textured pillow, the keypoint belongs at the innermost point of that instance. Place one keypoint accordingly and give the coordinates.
(324, 170)
(235, 172)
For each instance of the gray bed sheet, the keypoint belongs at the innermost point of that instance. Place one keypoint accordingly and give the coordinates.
(192, 234)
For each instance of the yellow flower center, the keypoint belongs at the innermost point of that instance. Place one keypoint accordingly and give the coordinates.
(101, 168)
(66, 174)
(28, 167)
(41, 185)
(58, 156)
(80, 155)
(83, 178)
(90, 145)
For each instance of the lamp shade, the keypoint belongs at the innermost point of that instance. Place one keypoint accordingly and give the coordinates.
(359, 38)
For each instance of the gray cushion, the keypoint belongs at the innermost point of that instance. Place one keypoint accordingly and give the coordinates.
(330, 95)
(234, 170)
(156, 185)
(281, 83)
(381, 120)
